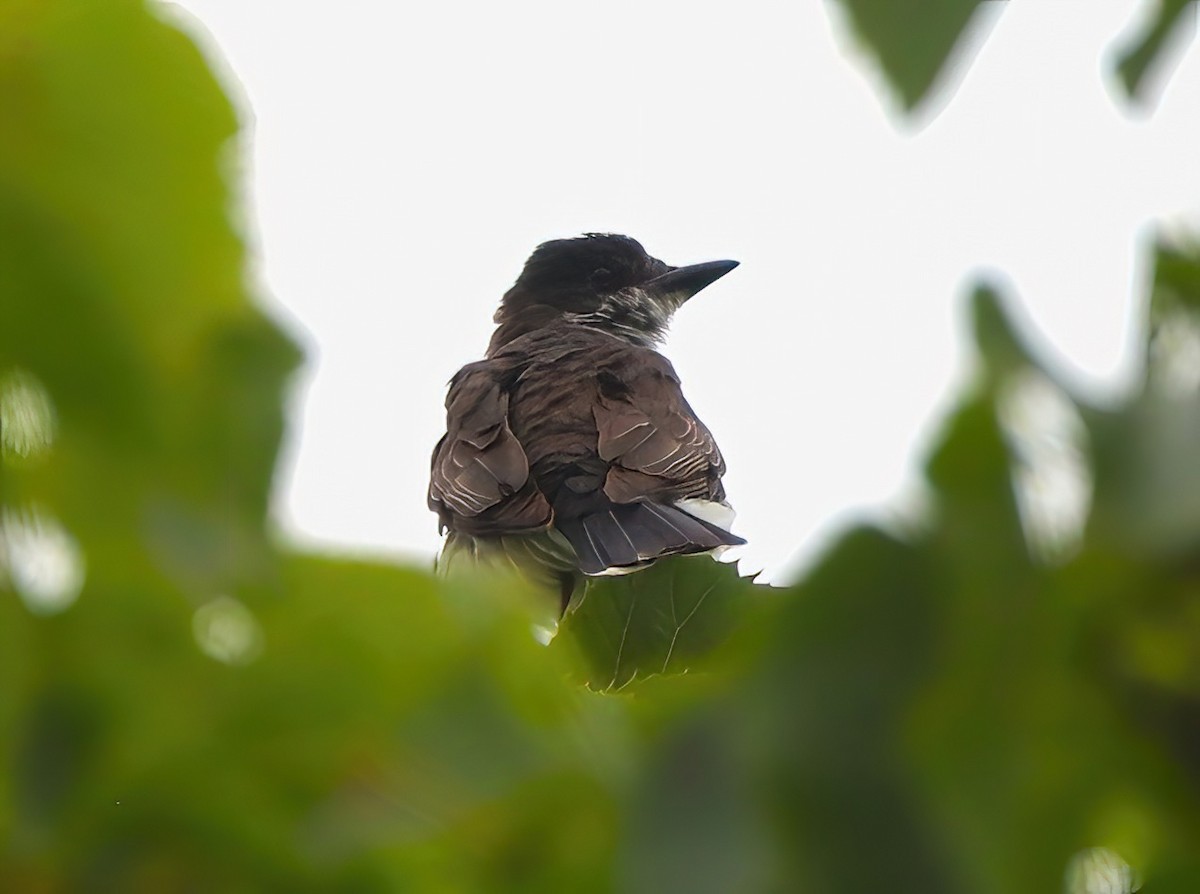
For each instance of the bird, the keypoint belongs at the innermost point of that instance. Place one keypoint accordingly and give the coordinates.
(570, 450)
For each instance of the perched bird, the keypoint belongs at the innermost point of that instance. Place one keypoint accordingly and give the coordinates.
(570, 448)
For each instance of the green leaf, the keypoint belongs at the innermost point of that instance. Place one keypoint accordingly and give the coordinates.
(662, 620)
(1147, 493)
(1176, 277)
(125, 296)
(912, 40)
(1001, 346)
(819, 717)
(1138, 61)
(379, 733)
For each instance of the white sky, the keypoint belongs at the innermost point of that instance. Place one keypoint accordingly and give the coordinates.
(406, 158)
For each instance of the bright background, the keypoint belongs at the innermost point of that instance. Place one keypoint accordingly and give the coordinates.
(407, 158)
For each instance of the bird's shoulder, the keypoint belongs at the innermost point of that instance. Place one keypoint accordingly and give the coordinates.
(479, 476)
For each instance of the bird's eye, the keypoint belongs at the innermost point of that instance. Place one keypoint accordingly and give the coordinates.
(601, 276)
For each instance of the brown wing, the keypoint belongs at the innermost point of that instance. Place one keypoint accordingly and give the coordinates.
(655, 445)
(479, 480)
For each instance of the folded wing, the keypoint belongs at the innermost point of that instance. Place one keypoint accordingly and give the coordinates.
(479, 481)
(655, 446)
(662, 461)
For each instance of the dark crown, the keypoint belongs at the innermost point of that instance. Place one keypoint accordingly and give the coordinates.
(601, 280)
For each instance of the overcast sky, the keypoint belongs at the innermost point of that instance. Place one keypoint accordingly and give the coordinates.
(406, 158)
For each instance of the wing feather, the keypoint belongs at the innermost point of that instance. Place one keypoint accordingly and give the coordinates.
(655, 446)
(479, 480)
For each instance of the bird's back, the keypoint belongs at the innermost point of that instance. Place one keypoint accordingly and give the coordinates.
(566, 372)
(611, 446)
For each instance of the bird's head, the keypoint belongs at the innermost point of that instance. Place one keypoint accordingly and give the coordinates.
(601, 280)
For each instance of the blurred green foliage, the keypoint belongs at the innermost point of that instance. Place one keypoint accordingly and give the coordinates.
(1004, 696)
(916, 42)
(1146, 51)
(911, 40)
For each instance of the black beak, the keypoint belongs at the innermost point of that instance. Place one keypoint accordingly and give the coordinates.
(677, 286)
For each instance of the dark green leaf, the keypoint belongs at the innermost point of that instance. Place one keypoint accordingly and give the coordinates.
(823, 714)
(125, 296)
(662, 620)
(1147, 491)
(912, 40)
(1176, 277)
(1138, 61)
(1000, 345)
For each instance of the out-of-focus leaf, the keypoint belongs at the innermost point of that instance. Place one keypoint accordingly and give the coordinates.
(1176, 277)
(972, 728)
(380, 740)
(1147, 500)
(696, 821)
(1029, 716)
(1001, 348)
(976, 505)
(993, 616)
(1172, 350)
(656, 621)
(1144, 53)
(821, 715)
(1037, 423)
(912, 40)
(125, 296)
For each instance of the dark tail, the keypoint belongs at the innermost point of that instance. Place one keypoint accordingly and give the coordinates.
(634, 534)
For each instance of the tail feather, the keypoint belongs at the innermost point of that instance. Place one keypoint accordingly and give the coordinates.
(634, 534)
(606, 537)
